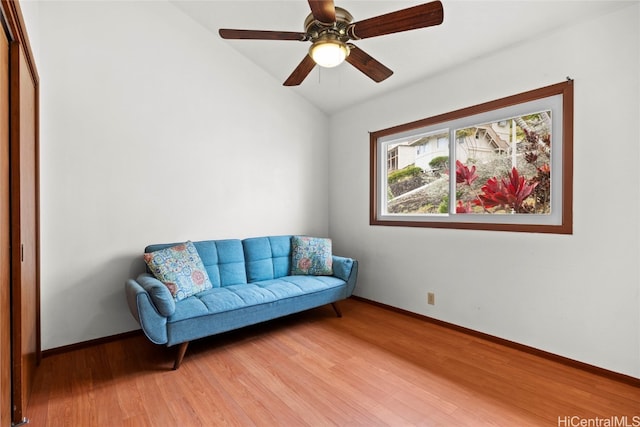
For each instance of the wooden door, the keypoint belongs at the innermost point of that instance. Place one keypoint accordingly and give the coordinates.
(24, 224)
(19, 216)
(5, 240)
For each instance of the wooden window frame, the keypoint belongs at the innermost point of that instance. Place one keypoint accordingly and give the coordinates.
(565, 225)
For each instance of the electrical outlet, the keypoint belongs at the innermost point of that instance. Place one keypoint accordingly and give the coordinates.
(431, 298)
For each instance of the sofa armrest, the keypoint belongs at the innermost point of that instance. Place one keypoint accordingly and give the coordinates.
(342, 267)
(153, 323)
(347, 270)
(159, 293)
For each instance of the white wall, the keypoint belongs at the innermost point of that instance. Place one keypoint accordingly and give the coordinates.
(576, 296)
(154, 130)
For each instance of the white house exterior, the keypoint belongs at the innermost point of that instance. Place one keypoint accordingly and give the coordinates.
(479, 144)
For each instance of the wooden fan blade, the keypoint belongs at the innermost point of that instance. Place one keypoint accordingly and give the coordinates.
(301, 72)
(261, 35)
(369, 66)
(421, 16)
(323, 10)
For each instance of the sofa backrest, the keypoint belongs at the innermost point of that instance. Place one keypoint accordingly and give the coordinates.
(234, 261)
(223, 260)
(267, 257)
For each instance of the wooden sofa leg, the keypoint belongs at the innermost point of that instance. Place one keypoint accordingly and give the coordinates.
(336, 309)
(180, 355)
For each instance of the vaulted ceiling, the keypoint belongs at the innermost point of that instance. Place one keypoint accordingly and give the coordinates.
(471, 29)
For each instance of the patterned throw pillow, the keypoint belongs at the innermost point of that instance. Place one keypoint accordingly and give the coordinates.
(311, 256)
(180, 269)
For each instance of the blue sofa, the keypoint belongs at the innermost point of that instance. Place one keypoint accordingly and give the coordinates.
(251, 284)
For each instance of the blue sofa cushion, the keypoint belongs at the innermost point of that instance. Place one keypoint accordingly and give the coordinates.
(224, 260)
(311, 255)
(180, 268)
(267, 257)
(227, 298)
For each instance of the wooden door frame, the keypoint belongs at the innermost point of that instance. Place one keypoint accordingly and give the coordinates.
(21, 54)
(5, 237)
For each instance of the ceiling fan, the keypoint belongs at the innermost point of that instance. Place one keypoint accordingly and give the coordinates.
(330, 30)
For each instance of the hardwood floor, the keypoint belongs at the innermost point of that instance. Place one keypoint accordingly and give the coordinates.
(372, 367)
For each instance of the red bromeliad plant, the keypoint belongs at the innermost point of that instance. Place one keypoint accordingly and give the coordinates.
(507, 193)
(467, 176)
(464, 207)
(464, 174)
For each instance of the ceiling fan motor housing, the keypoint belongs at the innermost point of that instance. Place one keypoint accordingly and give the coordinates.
(338, 30)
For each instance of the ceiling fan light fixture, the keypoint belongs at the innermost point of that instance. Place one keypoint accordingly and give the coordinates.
(329, 53)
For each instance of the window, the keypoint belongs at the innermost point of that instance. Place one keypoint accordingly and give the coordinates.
(503, 165)
(392, 159)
